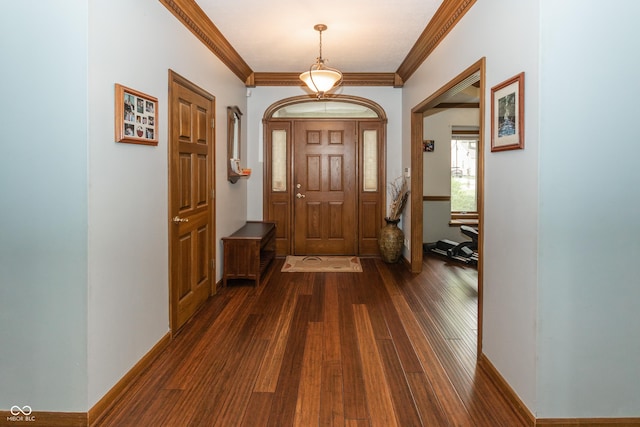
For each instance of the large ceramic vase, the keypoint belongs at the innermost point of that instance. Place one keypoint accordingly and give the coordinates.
(390, 241)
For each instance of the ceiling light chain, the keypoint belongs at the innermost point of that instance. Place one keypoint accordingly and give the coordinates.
(320, 28)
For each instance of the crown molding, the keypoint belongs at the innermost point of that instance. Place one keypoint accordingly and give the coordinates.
(194, 18)
(446, 17)
(348, 79)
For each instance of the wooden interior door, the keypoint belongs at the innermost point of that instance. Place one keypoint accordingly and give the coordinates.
(191, 204)
(325, 187)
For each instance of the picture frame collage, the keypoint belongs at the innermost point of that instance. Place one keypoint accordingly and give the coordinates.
(136, 119)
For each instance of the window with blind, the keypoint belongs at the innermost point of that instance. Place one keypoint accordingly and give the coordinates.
(464, 166)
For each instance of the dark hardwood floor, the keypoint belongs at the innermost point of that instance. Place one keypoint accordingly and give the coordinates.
(379, 348)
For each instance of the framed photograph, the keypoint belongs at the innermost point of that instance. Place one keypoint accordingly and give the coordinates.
(136, 118)
(507, 114)
(428, 145)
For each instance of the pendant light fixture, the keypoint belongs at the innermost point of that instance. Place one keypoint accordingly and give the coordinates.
(321, 78)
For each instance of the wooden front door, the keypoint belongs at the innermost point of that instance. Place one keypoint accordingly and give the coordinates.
(191, 204)
(325, 187)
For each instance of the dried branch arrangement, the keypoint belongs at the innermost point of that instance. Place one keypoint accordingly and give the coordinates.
(399, 192)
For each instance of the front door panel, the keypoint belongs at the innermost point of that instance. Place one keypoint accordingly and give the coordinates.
(325, 192)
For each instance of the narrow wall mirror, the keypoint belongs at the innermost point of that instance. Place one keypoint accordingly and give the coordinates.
(234, 170)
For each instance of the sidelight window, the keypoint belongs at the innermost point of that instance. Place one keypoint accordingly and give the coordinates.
(279, 160)
(370, 160)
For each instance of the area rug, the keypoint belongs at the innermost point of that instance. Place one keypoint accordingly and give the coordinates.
(313, 264)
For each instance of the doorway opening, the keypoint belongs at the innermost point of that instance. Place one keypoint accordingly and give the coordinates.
(442, 98)
(325, 174)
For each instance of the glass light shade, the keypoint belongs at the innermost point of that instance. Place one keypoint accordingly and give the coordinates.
(323, 79)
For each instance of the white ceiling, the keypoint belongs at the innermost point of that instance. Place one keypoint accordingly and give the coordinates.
(362, 35)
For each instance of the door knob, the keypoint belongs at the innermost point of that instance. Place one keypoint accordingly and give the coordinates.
(177, 219)
(300, 196)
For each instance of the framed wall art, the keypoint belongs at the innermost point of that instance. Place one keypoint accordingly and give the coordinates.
(136, 117)
(507, 114)
(428, 145)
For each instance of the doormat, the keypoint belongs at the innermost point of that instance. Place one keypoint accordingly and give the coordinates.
(317, 264)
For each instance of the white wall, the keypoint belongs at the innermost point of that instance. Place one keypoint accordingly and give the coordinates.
(436, 176)
(83, 232)
(508, 37)
(84, 238)
(261, 98)
(43, 220)
(560, 290)
(589, 344)
(134, 44)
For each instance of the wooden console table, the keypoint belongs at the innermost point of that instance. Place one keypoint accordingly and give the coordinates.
(249, 251)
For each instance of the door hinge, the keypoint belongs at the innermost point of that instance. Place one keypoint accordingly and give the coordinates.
(213, 265)
(213, 194)
(213, 123)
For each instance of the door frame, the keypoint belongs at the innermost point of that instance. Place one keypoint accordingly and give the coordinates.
(417, 133)
(368, 226)
(177, 79)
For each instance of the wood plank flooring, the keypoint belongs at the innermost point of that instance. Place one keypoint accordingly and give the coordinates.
(379, 348)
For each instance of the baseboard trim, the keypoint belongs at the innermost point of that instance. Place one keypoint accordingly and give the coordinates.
(108, 400)
(522, 409)
(216, 288)
(590, 422)
(44, 419)
(406, 262)
(84, 419)
(506, 389)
